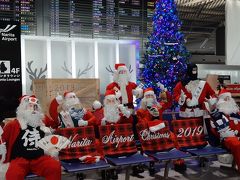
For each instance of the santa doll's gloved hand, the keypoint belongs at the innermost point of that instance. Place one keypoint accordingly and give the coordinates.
(3, 149)
(53, 152)
(226, 132)
(210, 104)
(46, 130)
(182, 98)
(118, 94)
(81, 122)
(138, 92)
(124, 110)
(154, 111)
(103, 121)
(59, 99)
(161, 86)
(192, 102)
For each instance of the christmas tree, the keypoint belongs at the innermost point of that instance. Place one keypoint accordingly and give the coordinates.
(166, 56)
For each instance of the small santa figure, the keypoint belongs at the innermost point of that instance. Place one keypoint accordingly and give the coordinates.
(20, 138)
(124, 89)
(113, 112)
(225, 122)
(72, 113)
(150, 111)
(190, 94)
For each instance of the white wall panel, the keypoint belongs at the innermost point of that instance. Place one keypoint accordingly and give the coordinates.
(232, 32)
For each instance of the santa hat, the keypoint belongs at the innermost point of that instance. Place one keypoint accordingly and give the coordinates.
(96, 105)
(90, 159)
(120, 66)
(31, 99)
(155, 125)
(148, 91)
(223, 93)
(68, 94)
(22, 98)
(109, 94)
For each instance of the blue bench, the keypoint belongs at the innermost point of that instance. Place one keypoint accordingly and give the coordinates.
(77, 166)
(128, 161)
(168, 156)
(206, 151)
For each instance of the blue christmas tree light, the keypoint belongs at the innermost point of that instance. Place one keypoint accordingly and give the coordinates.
(166, 56)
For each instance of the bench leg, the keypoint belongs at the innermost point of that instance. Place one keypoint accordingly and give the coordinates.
(127, 175)
(166, 170)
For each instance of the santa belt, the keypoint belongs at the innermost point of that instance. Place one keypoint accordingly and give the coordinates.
(192, 107)
(128, 104)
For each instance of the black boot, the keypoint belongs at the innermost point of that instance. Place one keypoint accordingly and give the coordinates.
(151, 170)
(113, 174)
(181, 168)
(136, 171)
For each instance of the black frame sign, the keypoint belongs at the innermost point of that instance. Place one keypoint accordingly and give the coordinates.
(10, 68)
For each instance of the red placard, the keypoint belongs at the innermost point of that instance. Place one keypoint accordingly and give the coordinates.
(82, 142)
(155, 141)
(117, 139)
(189, 132)
(233, 88)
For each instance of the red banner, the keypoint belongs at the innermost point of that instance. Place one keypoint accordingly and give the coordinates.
(189, 132)
(82, 142)
(117, 139)
(155, 141)
(233, 88)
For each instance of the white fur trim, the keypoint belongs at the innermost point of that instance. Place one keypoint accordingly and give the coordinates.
(122, 68)
(22, 123)
(3, 170)
(224, 95)
(157, 127)
(96, 105)
(97, 158)
(148, 93)
(84, 157)
(70, 94)
(110, 97)
(138, 92)
(188, 113)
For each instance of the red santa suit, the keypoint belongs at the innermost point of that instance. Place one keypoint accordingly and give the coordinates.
(64, 118)
(18, 166)
(225, 124)
(125, 91)
(113, 112)
(191, 97)
(146, 114)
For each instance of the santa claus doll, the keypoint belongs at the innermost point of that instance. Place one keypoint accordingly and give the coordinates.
(225, 123)
(150, 111)
(124, 89)
(20, 138)
(190, 94)
(68, 112)
(112, 112)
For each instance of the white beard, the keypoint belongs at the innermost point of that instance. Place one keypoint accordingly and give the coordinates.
(71, 102)
(148, 102)
(227, 107)
(28, 117)
(111, 113)
(192, 86)
(123, 79)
